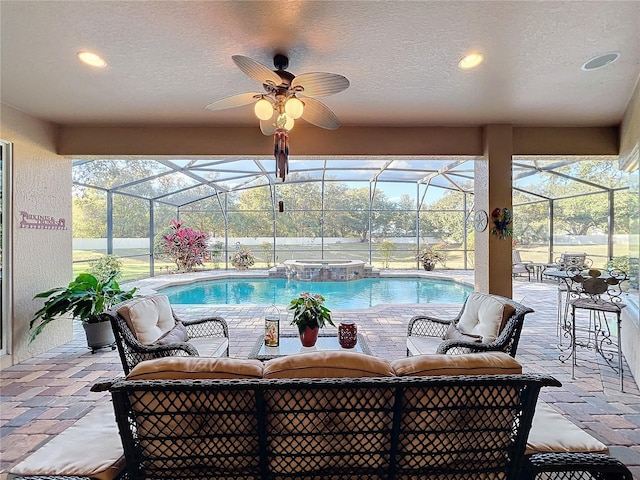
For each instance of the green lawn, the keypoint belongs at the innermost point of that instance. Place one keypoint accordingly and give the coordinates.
(136, 261)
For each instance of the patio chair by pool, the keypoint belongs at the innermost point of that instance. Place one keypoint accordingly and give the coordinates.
(485, 323)
(520, 267)
(147, 327)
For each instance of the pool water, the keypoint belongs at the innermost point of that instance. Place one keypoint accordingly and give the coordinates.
(356, 294)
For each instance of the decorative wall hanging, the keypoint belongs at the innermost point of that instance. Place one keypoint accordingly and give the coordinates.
(42, 222)
(502, 222)
(481, 220)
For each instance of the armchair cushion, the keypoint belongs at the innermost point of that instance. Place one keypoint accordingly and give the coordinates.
(148, 318)
(178, 334)
(484, 315)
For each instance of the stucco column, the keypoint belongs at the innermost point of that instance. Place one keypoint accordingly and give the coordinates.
(492, 189)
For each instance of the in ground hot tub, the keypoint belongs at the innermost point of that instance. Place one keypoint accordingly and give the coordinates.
(326, 270)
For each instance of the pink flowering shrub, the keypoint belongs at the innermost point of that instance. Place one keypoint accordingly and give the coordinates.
(186, 246)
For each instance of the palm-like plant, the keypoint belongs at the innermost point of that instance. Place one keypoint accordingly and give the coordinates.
(85, 298)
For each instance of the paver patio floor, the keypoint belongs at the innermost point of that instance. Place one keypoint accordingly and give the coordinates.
(46, 394)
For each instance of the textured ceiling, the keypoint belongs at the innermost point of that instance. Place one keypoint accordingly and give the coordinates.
(168, 59)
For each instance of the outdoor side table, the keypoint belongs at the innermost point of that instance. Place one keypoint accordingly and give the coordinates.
(537, 269)
(290, 345)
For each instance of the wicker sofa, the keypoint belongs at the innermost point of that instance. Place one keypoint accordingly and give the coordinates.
(336, 415)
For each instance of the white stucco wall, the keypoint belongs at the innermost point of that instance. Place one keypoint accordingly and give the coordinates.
(629, 145)
(41, 259)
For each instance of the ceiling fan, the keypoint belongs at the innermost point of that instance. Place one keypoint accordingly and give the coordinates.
(287, 97)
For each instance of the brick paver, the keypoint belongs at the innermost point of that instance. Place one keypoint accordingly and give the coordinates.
(49, 392)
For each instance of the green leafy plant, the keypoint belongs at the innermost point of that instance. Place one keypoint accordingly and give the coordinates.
(429, 256)
(186, 246)
(309, 311)
(106, 266)
(242, 258)
(216, 250)
(267, 250)
(620, 264)
(85, 298)
(386, 247)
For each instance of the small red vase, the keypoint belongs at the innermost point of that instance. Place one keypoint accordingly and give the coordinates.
(309, 336)
(347, 334)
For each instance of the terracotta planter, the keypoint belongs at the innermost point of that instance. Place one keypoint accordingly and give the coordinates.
(309, 336)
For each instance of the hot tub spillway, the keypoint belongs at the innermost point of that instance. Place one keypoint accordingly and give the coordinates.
(325, 270)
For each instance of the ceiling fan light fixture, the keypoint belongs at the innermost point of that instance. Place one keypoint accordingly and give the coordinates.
(285, 122)
(288, 125)
(294, 108)
(471, 61)
(92, 59)
(263, 109)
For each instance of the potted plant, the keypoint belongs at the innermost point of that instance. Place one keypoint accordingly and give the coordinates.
(428, 257)
(85, 298)
(242, 258)
(309, 315)
(185, 246)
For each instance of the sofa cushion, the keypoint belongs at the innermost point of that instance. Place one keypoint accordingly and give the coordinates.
(484, 315)
(195, 368)
(148, 317)
(67, 455)
(551, 432)
(334, 364)
(178, 334)
(485, 363)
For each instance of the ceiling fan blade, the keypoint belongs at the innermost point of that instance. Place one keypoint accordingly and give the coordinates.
(320, 84)
(234, 101)
(256, 70)
(319, 114)
(267, 127)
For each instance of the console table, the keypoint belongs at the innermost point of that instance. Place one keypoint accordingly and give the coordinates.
(290, 345)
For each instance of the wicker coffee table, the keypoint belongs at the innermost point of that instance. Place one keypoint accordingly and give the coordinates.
(290, 345)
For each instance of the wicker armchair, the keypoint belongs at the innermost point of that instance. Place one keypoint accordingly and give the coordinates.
(207, 336)
(426, 334)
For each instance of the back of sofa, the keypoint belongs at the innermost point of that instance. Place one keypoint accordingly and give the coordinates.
(382, 427)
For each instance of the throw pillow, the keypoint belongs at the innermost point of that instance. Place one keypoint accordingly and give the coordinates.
(453, 333)
(177, 334)
(484, 315)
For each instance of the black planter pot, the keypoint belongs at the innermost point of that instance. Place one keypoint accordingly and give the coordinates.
(99, 335)
(429, 266)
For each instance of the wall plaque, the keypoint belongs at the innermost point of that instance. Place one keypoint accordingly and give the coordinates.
(44, 222)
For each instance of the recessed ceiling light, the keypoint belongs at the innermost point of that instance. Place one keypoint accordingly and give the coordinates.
(92, 59)
(600, 61)
(470, 61)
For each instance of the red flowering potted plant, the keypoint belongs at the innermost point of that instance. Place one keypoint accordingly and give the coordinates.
(310, 315)
(186, 246)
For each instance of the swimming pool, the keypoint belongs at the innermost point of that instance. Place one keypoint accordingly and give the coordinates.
(356, 294)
